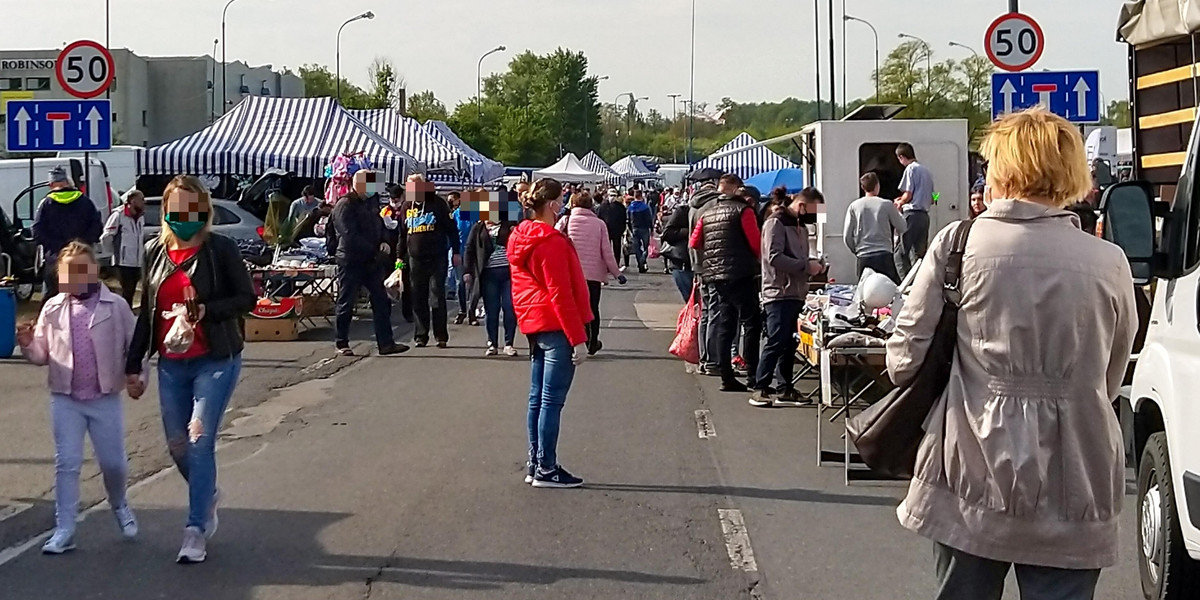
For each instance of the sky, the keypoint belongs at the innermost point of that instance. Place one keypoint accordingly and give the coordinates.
(749, 50)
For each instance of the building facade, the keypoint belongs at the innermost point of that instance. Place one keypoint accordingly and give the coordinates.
(155, 99)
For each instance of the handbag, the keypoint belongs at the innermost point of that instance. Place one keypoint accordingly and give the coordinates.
(686, 344)
(889, 433)
(654, 251)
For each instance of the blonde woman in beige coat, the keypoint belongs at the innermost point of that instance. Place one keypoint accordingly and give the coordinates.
(1022, 465)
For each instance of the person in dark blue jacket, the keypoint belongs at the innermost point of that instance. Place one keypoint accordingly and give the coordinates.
(64, 215)
(641, 224)
(464, 223)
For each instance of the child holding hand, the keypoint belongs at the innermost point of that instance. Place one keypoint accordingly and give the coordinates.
(83, 334)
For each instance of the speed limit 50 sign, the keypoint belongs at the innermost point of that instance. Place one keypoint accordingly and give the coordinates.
(84, 69)
(1014, 42)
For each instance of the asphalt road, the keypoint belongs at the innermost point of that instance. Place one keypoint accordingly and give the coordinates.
(401, 477)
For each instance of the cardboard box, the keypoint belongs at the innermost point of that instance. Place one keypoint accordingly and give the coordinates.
(284, 308)
(271, 330)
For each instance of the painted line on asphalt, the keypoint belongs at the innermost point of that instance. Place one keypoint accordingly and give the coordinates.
(316, 366)
(13, 510)
(737, 540)
(704, 424)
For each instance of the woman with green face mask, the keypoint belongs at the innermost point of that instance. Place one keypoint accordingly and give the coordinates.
(192, 279)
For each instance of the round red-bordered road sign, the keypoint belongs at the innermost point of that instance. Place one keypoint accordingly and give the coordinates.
(1014, 42)
(84, 69)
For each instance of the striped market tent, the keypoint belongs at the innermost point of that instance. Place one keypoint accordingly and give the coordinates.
(300, 135)
(594, 163)
(481, 168)
(632, 168)
(410, 137)
(746, 164)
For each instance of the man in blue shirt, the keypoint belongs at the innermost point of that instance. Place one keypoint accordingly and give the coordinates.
(915, 202)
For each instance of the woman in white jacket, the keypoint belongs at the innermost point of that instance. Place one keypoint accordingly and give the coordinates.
(123, 239)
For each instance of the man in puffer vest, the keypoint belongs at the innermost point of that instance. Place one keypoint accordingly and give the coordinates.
(728, 236)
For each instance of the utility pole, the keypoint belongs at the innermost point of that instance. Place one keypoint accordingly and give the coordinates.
(832, 68)
(1012, 6)
(817, 50)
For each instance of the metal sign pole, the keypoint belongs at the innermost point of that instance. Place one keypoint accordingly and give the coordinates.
(1012, 6)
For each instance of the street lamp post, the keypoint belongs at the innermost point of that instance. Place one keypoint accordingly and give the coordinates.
(969, 80)
(338, 59)
(212, 96)
(479, 78)
(692, 89)
(587, 116)
(876, 34)
(224, 87)
(674, 117)
(617, 102)
(928, 61)
(964, 47)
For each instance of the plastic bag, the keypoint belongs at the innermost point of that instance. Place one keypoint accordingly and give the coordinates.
(686, 344)
(182, 333)
(654, 247)
(395, 284)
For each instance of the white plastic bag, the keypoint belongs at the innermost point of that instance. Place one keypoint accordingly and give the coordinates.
(182, 333)
(395, 284)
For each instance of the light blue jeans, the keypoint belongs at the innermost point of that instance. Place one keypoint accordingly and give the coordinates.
(103, 420)
(198, 388)
(552, 374)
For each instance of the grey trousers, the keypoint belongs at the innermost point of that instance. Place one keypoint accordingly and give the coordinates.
(913, 243)
(104, 420)
(963, 576)
(708, 328)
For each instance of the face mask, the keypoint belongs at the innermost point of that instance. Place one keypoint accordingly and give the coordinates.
(808, 218)
(186, 230)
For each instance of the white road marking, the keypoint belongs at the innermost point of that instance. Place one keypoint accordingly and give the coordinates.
(315, 366)
(737, 540)
(704, 424)
(13, 510)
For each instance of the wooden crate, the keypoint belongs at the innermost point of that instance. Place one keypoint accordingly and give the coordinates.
(271, 330)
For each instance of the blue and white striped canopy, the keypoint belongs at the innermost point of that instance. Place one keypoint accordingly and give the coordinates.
(594, 163)
(746, 164)
(481, 168)
(300, 135)
(632, 167)
(411, 137)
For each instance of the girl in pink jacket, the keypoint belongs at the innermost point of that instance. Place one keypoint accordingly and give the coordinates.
(589, 234)
(83, 334)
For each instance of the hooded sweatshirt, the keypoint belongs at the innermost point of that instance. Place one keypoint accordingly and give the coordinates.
(640, 215)
(549, 290)
(66, 215)
(429, 231)
(784, 258)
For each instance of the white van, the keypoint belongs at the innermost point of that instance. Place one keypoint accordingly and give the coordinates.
(121, 162)
(1159, 411)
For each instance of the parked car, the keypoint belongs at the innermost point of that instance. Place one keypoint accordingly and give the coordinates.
(231, 221)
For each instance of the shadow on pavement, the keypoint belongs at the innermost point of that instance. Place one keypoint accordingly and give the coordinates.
(256, 549)
(793, 494)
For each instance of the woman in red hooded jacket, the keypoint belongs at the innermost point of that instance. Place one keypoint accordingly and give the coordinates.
(550, 297)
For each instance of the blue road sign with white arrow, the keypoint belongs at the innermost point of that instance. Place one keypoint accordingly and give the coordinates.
(1072, 95)
(59, 125)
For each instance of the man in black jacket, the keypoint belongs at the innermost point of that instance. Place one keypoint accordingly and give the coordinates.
(675, 249)
(427, 236)
(65, 214)
(613, 213)
(355, 236)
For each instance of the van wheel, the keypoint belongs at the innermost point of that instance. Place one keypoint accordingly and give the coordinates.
(1166, 569)
(24, 292)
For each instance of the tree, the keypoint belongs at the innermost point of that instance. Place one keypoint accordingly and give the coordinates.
(319, 82)
(385, 85)
(425, 106)
(1119, 114)
(936, 90)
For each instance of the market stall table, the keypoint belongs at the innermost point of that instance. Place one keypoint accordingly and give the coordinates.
(317, 285)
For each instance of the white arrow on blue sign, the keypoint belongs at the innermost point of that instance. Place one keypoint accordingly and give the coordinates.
(1072, 95)
(59, 125)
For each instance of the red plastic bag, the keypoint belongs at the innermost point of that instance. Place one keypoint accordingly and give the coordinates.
(686, 344)
(654, 247)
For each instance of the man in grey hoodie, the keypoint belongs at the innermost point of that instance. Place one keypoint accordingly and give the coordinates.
(786, 266)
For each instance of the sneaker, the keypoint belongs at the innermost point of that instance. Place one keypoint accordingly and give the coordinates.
(126, 521)
(793, 397)
(597, 347)
(211, 523)
(733, 385)
(442, 344)
(460, 318)
(393, 349)
(643, 270)
(473, 322)
(491, 350)
(530, 470)
(739, 365)
(345, 351)
(510, 351)
(193, 548)
(420, 343)
(761, 399)
(557, 477)
(710, 371)
(62, 541)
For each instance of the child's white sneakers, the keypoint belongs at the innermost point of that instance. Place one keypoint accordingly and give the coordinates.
(62, 541)
(126, 522)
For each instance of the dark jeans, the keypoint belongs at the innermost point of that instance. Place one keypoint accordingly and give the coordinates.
(429, 299)
(882, 263)
(641, 246)
(683, 280)
(497, 296)
(129, 277)
(913, 242)
(460, 294)
(779, 349)
(551, 375)
(593, 328)
(406, 304)
(737, 305)
(963, 576)
(619, 248)
(352, 278)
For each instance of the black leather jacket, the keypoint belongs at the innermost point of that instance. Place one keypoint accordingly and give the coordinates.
(222, 285)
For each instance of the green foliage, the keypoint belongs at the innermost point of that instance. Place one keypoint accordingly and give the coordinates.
(319, 82)
(1119, 114)
(937, 90)
(424, 106)
(385, 85)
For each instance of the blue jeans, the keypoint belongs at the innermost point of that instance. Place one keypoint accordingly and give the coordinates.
(641, 246)
(104, 420)
(552, 373)
(497, 295)
(460, 286)
(197, 388)
(779, 350)
(683, 280)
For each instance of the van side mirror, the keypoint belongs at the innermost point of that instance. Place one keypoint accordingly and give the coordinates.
(1128, 212)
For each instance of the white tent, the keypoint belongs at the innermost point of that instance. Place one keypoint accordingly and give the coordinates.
(569, 170)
